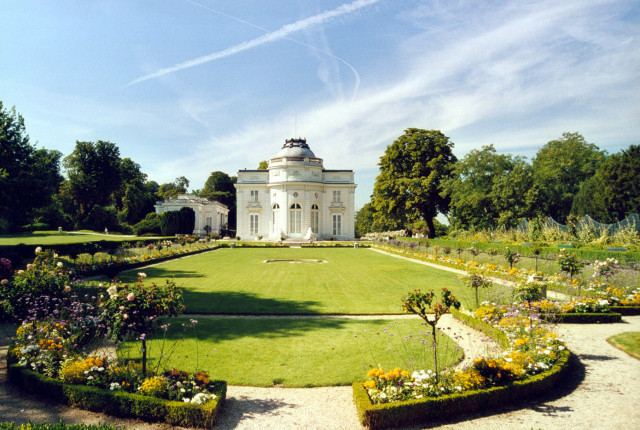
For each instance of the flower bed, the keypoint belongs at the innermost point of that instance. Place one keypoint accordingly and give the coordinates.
(583, 311)
(525, 370)
(128, 263)
(120, 403)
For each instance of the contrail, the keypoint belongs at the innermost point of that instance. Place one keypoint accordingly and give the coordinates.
(356, 75)
(281, 33)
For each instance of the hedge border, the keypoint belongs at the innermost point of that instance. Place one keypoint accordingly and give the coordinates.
(626, 310)
(421, 411)
(584, 318)
(119, 403)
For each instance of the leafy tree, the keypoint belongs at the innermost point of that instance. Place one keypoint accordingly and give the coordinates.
(174, 189)
(220, 187)
(490, 189)
(29, 177)
(364, 220)
(614, 191)
(94, 173)
(264, 164)
(413, 170)
(560, 167)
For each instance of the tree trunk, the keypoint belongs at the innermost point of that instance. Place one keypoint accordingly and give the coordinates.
(144, 357)
(435, 351)
(431, 228)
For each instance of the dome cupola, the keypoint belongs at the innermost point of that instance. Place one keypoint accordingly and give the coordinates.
(296, 148)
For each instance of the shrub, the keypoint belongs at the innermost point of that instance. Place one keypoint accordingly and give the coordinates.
(150, 225)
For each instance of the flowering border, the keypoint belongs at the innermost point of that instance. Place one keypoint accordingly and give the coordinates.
(457, 405)
(119, 403)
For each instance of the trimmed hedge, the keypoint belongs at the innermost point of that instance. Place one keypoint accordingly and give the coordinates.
(58, 426)
(423, 411)
(584, 318)
(626, 310)
(119, 403)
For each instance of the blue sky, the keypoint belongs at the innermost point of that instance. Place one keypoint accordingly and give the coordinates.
(186, 87)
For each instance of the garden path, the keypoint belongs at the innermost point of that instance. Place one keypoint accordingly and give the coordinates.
(604, 393)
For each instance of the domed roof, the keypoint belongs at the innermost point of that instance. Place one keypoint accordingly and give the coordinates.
(295, 148)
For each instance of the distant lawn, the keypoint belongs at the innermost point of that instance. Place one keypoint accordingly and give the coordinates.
(352, 281)
(295, 352)
(49, 238)
(628, 342)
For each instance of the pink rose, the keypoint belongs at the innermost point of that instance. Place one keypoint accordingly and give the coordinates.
(130, 297)
(29, 266)
(4, 282)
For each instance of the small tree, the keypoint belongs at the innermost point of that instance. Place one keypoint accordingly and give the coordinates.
(569, 263)
(511, 257)
(135, 310)
(476, 281)
(421, 304)
(529, 292)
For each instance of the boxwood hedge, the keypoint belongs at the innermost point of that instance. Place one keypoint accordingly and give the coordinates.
(119, 403)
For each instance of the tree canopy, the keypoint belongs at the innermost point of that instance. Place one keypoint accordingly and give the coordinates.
(413, 171)
(29, 177)
(560, 167)
(490, 189)
(614, 190)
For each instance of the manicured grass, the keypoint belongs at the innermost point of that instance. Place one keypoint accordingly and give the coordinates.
(352, 281)
(48, 238)
(628, 342)
(295, 352)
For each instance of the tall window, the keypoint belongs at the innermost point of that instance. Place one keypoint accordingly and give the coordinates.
(274, 221)
(337, 225)
(295, 219)
(253, 224)
(314, 218)
(336, 197)
(254, 196)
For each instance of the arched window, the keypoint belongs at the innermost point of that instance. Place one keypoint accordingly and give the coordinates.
(274, 220)
(315, 218)
(295, 219)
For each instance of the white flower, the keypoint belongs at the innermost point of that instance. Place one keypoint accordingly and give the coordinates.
(67, 288)
(59, 264)
(142, 275)
(113, 291)
(38, 250)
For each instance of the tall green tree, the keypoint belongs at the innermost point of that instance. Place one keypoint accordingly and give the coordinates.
(175, 188)
(560, 167)
(94, 174)
(471, 188)
(614, 191)
(29, 177)
(264, 164)
(221, 187)
(413, 171)
(364, 220)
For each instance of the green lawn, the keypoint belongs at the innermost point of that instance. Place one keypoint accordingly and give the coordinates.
(352, 281)
(629, 342)
(48, 238)
(295, 352)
